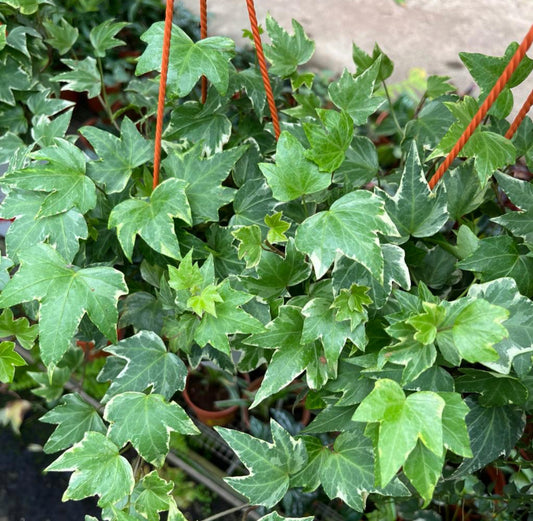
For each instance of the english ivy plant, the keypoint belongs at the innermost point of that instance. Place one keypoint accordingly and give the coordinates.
(406, 312)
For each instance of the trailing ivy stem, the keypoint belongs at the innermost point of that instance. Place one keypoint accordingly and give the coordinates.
(420, 105)
(273, 249)
(226, 512)
(103, 96)
(392, 111)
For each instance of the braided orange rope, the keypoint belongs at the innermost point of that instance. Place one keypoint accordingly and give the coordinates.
(262, 66)
(203, 34)
(520, 116)
(162, 90)
(482, 112)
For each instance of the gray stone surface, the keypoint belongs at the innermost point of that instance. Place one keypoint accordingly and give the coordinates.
(425, 33)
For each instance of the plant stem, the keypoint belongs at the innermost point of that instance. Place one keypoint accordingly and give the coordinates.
(226, 512)
(392, 111)
(103, 97)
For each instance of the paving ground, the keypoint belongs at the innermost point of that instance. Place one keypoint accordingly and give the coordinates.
(425, 33)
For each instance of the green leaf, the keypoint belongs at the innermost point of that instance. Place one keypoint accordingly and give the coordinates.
(12, 78)
(98, 470)
(230, 318)
(59, 170)
(498, 257)
(270, 464)
(84, 76)
(292, 175)
(142, 311)
(354, 95)
(523, 143)
(19, 328)
(427, 323)
(146, 363)
(470, 330)
(363, 61)
(73, 417)
(5, 264)
(65, 295)
(205, 301)
(287, 51)
(519, 343)
(204, 177)
(521, 194)
(188, 60)
(63, 231)
(154, 497)
(9, 359)
(351, 304)
(360, 165)
(152, 220)
(493, 432)
(415, 209)
(496, 390)
(438, 86)
(486, 71)
(61, 36)
(349, 227)
(276, 228)
(203, 123)
(118, 156)
(24, 6)
(250, 244)
(146, 421)
(102, 37)
(402, 421)
(45, 130)
(454, 429)
(187, 276)
(274, 516)
(252, 202)
(329, 142)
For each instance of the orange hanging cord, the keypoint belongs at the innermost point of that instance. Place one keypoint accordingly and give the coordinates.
(482, 112)
(162, 90)
(203, 34)
(520, 116)
(263, 67)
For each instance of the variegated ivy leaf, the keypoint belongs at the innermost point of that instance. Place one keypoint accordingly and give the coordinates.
(354, 95)
(146, 421)
(98, 468)
(188, 60)
(270, 464)
(153, 220)
(144, 363)
(293, 175)
(350, 227)
(13, 78)
(118, 155)
(19, 329)
(415, 209)
(61, 36)
(60, 171)
(65, 293)
(83, 76)
(276, 228)
(9, 359)
(287, 51)
(154, 496)
(250, 244)
(103, 37)
(274, 516)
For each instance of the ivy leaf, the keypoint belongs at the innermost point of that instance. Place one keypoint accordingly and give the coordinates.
(427, 323)
(504, 292)
(363, 61)
(350, 304)
(187, 276)
(63, 231)
(62, 174)
(274, 516)
(293, 175)
(252, 202)
(275, 274)
(354, 95)
(276, 228)
(61, 36)
(493, 432)
(84, 76)
(438, 86)
(415, 209)
(205, 301)
(102, 37)
(360, 164)
(24, 6)
(270, 464)
(349, 227)
(73, 417)
(521, 194)
(46, 130)
(146, 421)
(329, 142)
(498, 257)
(402, 421)
(65, 294)
(250, 244)
(19, 328)
(454, 429)
(287, 51)
(12, 78)
(523, 143)
(230, 319)
(118, 156)
(204, 177)
(154, 496)
(188, 60)
(202, 123)
(9, 359)
(98, 468)
(146, 364)
(152, 220)
(470, 330)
